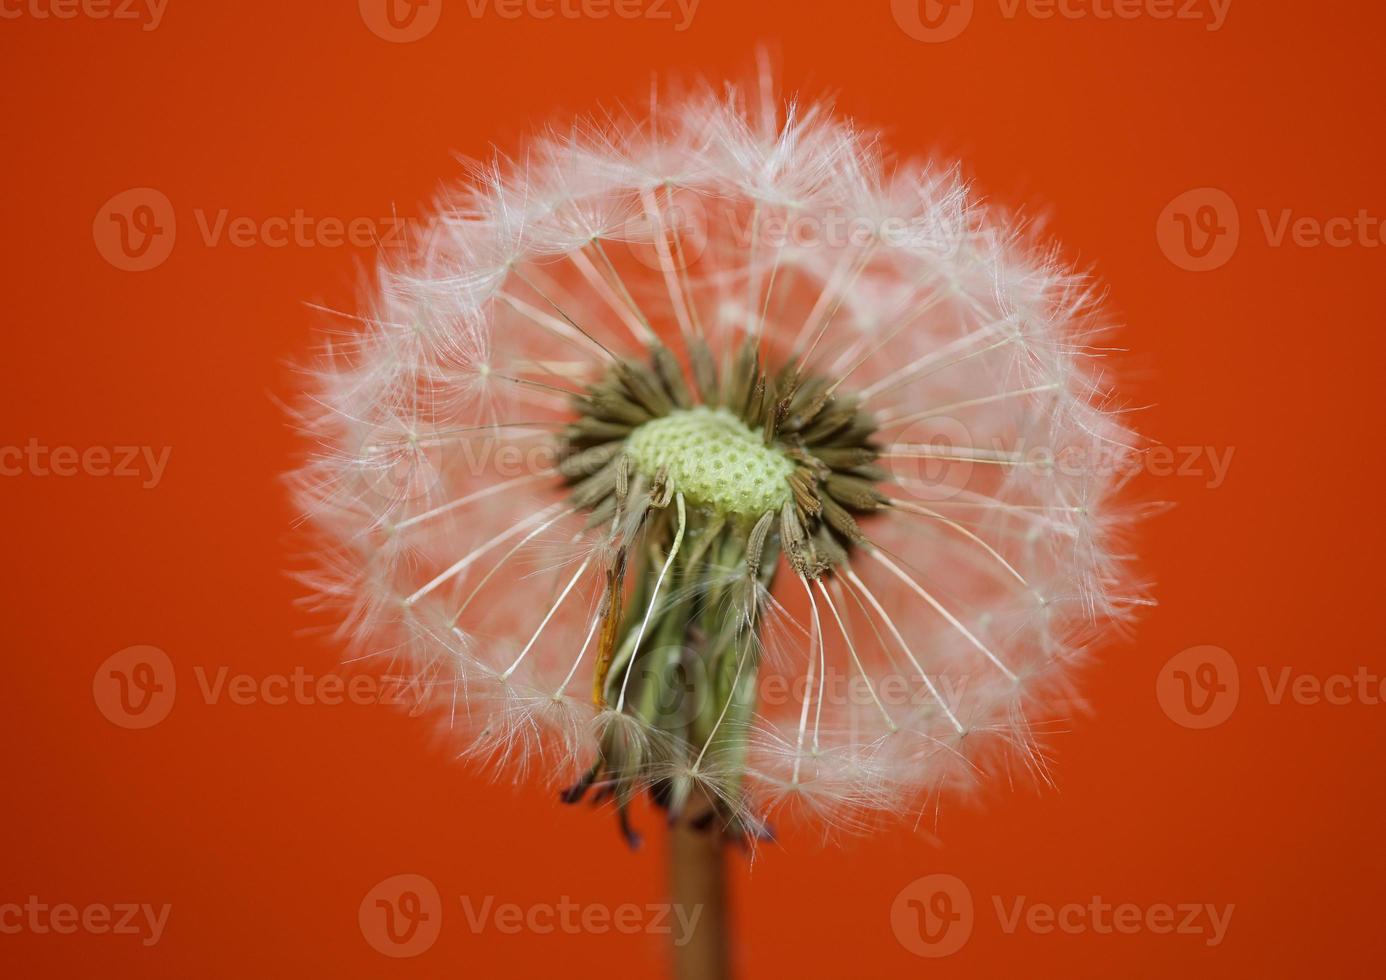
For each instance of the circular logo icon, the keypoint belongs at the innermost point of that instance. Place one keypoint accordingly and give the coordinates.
(933, 916)
(1199, 687)
(398, 467)
(669, 233)
(935, 458)
(932, 21)
(400, 21)
(401, 916)
(1198, 231)
(135, 230)
(135, 687)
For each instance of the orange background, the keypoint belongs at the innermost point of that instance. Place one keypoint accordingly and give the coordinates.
(265, 825)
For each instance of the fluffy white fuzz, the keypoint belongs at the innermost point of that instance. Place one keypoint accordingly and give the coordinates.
(931, 652)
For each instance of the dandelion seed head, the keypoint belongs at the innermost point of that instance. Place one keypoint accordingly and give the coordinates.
(720, 456)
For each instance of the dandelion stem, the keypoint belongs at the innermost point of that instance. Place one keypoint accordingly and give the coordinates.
(698, 889)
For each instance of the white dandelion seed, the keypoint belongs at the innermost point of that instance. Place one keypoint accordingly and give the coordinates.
(714, 456)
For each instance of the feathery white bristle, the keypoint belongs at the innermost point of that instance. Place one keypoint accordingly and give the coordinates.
(941, 648)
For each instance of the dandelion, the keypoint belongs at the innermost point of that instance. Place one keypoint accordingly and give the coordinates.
(715, 457)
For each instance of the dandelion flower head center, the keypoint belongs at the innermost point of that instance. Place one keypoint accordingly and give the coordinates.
(715, 459)
(745, 449)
